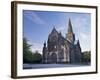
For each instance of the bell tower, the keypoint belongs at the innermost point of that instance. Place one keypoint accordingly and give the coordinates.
(70, 35)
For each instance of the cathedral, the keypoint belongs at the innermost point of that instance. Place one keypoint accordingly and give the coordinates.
(59, 49)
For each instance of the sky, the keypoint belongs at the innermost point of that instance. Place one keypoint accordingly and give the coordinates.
(37, 25)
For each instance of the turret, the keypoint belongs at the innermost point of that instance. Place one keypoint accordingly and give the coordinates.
(78, 45)
(44, 44)
(44, 52)
(44, 48)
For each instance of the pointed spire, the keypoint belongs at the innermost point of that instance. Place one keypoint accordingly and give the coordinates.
(54, 30)
(78, 43)
(44, 44)
(70, 30)
(70, 35)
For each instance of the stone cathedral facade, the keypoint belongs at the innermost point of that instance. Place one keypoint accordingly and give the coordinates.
(59, 49)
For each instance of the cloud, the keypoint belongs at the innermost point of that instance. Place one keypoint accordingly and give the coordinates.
(34, 17)
(77, 21)
(36, 47)
(83, 36)
(61, 28)
(85, 41)
(80, 21)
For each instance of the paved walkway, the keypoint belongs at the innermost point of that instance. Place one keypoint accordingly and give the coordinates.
(37, 66)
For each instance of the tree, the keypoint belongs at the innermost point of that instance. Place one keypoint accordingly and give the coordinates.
(26, 46)
(37, 57)
(86, 56)
(28, 55)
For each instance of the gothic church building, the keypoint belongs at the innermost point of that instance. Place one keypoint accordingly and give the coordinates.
(59, 49)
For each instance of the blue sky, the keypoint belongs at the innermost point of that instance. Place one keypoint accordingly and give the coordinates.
(37, 25)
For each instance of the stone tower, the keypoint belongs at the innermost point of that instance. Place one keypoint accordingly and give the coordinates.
(70, 35)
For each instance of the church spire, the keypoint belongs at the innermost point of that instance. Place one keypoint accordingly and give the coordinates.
(70, 35)
(70, 30)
